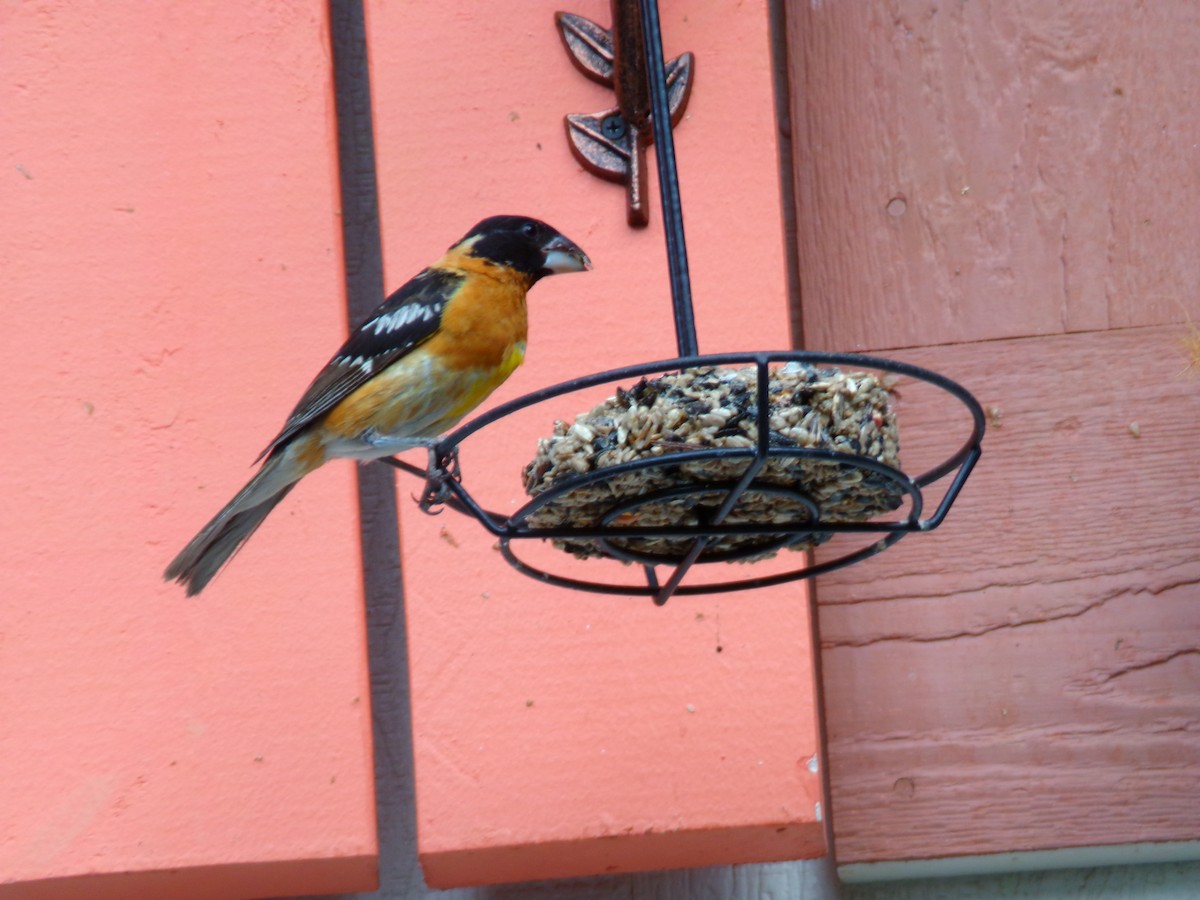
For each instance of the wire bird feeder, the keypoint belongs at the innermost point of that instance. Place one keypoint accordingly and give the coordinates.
(706, 458)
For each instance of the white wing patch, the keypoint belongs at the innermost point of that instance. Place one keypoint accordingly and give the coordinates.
(402, 317)
(366, 363)
(386, 324)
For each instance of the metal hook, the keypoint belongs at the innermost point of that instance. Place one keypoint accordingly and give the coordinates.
(612, 144)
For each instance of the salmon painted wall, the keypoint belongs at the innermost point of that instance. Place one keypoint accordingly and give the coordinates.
(560, 733)
(170, 263)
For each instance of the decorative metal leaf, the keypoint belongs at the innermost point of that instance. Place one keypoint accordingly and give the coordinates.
(608, 157)
(679, 85)
(612, 144)
(590, 46)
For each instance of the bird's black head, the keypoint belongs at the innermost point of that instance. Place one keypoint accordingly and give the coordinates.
(526, 245)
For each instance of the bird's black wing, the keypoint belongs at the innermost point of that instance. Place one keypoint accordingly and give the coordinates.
(404, 321)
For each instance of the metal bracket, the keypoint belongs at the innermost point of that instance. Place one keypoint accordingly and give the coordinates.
(612, 144)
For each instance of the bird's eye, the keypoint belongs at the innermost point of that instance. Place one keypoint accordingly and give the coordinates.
(529, 229)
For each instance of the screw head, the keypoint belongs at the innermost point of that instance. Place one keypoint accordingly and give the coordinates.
(614, 126)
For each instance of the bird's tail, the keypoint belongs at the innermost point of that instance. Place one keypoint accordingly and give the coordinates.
(217, 541)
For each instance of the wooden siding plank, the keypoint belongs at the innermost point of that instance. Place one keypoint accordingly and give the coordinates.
(172, 279)
(969, 174)
(559, 733)
(1026, 677)
(986, 170)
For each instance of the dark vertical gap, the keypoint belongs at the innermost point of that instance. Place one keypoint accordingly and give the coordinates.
(361, 241)
(378, 521)
(781, 69)
(787, 171)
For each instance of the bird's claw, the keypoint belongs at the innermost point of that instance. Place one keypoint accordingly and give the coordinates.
(443, 469)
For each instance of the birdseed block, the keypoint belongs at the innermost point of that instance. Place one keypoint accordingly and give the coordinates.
(717, 407)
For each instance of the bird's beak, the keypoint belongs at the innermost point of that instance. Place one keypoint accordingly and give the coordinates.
(564, 256)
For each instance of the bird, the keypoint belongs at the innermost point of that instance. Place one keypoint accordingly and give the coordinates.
(430, 353)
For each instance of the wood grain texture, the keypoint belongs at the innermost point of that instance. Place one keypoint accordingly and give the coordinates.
(1023, 678)
(1027, 676)
(981, 170)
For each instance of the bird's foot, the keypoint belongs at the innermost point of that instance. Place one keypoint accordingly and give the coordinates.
(443, 469)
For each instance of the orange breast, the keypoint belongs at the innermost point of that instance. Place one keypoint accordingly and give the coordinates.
(486, 319)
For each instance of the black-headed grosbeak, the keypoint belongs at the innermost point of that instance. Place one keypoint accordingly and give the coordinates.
(432, 352)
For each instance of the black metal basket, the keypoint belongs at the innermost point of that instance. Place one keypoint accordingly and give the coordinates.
(446, 484)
